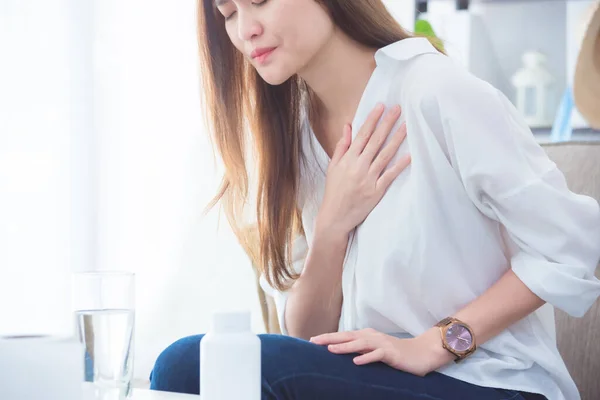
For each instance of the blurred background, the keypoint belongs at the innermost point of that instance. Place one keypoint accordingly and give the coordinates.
(105, 161)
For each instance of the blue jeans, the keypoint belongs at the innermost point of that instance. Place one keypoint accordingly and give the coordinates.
(294, 369)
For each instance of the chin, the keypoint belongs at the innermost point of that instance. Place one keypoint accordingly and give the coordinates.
(274, 78)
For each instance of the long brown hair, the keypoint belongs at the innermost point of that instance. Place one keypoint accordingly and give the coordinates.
(245, 113)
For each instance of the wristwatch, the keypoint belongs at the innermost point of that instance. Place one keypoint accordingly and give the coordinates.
(457, 338)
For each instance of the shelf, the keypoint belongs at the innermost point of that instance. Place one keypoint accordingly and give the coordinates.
(478, 39)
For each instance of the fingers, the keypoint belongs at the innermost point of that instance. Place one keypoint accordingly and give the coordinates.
(334, 338)
(392, 173)
(374, 356)
(389, 151)
(381, 133)
(355, 346)
(362, 137)
(368, 342)
(342, 146)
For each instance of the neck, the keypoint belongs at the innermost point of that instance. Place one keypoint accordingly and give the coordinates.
(338, 76)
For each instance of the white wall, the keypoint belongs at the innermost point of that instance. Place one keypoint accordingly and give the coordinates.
(403, 11)
(105, 163)
(45, 181)
(156, 174)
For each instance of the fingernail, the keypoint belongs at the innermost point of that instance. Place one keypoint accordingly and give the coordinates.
(380, 107)
(396, 109)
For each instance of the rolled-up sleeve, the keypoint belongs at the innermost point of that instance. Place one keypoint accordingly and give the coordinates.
(510, 179)
(299, 252)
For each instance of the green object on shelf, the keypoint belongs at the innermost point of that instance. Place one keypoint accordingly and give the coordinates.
(424, 28)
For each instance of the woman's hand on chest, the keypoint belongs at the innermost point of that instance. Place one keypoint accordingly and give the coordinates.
(357, 177)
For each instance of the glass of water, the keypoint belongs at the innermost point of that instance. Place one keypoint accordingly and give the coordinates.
(105, 313)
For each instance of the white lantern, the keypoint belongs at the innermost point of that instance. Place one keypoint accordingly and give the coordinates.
(533, 83)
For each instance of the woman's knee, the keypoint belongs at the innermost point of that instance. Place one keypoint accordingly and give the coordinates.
(177, 367)
(285, 355)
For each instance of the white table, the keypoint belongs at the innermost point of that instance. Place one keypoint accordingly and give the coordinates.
(143, 394)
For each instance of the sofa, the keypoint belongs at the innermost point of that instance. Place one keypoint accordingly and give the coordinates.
(578, 338)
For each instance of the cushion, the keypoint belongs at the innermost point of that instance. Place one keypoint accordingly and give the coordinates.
(579, 338)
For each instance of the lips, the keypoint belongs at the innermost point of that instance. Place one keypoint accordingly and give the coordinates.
(257, 53)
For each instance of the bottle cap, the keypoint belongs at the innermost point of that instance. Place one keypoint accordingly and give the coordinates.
(231, 322)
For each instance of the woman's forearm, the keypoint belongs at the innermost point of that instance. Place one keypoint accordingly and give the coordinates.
(506, 302)
(315, 299)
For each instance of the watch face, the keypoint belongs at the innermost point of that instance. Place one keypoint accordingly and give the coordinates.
(458, 337)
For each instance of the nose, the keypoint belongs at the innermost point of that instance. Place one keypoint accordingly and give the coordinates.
(249, 26)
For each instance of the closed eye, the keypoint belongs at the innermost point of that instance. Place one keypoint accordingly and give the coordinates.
(256, 3)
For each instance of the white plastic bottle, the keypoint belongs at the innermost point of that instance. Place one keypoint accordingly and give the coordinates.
(230, 359)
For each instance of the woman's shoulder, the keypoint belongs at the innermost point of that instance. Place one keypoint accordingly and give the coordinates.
(416, 69)
(439, 77)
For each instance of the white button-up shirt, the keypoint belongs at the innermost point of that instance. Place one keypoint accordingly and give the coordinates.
(480, 196)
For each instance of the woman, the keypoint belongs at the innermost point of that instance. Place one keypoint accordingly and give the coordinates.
(385, 273)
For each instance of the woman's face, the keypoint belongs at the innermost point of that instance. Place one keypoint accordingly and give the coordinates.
(279, 37)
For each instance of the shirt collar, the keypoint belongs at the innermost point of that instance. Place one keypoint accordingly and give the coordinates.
(405, 49)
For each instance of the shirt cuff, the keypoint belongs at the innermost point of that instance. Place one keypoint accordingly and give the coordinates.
(567, 287)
